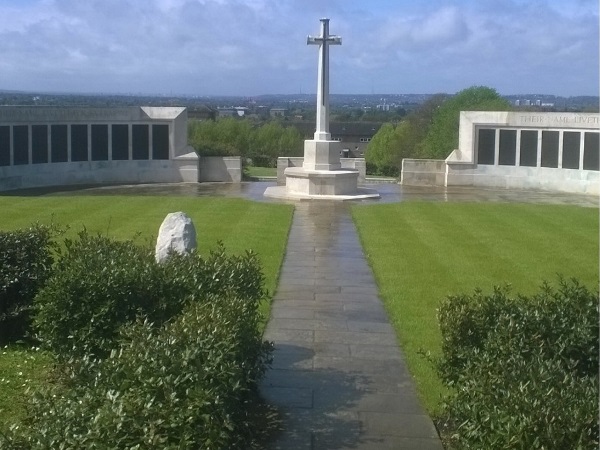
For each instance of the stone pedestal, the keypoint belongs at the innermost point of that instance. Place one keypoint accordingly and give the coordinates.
(321, 182)
(321, 177)
(321, 155)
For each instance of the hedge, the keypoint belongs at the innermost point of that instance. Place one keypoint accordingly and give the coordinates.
(186, 385)
(100, 284)
(26, 258)
(523, 371)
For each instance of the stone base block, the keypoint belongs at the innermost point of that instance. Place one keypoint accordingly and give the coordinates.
(320, 184)
(321, 155)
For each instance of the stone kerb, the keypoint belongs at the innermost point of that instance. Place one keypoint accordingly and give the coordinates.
(423, 172)
(220, 169)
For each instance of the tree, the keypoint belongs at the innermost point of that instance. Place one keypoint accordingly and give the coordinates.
(380, 154)
(442, 136)
(291, 142)
(234, 137)
(225, 137)
(388, 148)
(412, 131)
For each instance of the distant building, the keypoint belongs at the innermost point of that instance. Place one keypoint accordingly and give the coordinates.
(354, 137)
(234, 111)
(202, 112)
(278, 112)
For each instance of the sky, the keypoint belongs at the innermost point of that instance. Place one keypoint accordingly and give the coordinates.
(254, 47)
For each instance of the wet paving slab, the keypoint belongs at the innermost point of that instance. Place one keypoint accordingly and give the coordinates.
(390, 193)
(338, 377)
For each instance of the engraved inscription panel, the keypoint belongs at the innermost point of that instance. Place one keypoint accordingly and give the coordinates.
(550, 148)
(486, 146)
(4, 146)
(99, 142)
(39, 144)
(140, 142)
(529, 143)
(58, 143)
(591, 148)
(571, 144)
(21, 144)
(79, 143)
(507, 152)
(160, 141)
(120, 142)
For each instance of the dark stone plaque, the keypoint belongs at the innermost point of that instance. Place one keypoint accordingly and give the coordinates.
(39, 144)
(571, 146)
(79, 143)
(21, 144)
(99, 142)
(550, 148)
(507, 151)
(160, 141)
(58, 143)
(529, 143)
(590, 151)
(486, 146)
(140, 142)
(4, 145)
(120, 142)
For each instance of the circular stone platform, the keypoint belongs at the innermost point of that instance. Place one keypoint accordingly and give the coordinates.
(303, 184)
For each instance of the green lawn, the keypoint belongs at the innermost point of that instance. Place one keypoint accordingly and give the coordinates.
(240, 224)
(252, 171)
(421, 252)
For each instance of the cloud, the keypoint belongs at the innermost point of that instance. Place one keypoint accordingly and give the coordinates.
(258, 46)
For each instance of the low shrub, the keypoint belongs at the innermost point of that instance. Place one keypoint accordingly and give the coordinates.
(383, 171)
(25, 264)
(100, 284)
(523, 370)
(189, 384)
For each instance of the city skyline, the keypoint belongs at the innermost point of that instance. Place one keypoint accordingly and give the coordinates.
(258, 47)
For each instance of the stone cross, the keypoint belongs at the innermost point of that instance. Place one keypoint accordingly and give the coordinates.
(323, 41)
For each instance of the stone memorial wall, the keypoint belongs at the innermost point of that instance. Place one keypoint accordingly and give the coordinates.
(548, 151)
(45, 146)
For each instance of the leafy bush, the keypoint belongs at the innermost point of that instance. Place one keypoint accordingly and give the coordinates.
(186, 385)
(25, 264)
(100, 284)
(524, 371)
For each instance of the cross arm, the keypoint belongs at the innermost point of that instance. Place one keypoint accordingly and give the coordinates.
(331, 40)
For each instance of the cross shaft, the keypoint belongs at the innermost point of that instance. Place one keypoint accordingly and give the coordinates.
(323, 41)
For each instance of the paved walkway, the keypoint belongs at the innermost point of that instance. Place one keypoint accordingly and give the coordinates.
(338, 376)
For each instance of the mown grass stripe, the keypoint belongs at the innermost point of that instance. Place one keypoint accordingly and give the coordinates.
(421, 252)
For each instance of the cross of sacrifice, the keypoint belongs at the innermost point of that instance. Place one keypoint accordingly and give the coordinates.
(323, 41)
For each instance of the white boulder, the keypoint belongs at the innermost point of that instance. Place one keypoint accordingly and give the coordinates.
(177, 233)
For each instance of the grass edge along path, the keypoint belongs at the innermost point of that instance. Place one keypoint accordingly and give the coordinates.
(240, 224)
(421, 252)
